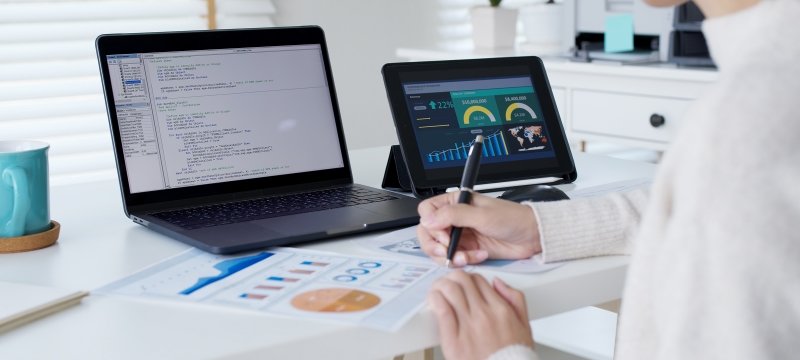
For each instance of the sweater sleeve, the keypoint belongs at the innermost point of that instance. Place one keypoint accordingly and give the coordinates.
(514, 352)
(589, 227)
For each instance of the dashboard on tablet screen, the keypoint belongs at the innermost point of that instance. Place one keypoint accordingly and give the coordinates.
(439, 108)
(447, 115)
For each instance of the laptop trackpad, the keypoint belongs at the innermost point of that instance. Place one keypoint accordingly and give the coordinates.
(321, 221)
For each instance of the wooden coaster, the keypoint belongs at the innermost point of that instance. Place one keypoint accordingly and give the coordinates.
(32, 241)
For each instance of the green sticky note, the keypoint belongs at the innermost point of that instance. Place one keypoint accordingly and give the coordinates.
(619, 33)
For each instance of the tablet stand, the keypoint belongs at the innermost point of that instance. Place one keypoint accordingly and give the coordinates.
(396, 177)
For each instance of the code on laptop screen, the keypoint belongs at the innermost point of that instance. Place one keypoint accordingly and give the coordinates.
(202, 117)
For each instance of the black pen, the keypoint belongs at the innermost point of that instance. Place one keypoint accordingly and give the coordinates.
(467, 182)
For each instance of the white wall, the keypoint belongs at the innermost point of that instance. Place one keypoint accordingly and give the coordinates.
(362, 36)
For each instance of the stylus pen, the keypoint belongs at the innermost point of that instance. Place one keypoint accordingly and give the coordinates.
(467, 182)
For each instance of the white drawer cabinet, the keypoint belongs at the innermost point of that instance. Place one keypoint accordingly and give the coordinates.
(636, 117)
(609, 103)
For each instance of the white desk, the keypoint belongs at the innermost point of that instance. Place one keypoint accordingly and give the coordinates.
(99, 244)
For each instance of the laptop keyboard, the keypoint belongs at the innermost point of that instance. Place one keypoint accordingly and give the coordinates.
(234, 212)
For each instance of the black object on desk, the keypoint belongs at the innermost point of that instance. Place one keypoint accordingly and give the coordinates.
(535, 193)
(687, 44)
(439, 107)
(244, 205)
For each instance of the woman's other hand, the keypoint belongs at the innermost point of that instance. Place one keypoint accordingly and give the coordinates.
(477, 319)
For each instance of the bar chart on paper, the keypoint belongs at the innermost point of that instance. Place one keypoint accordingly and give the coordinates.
(292, 282)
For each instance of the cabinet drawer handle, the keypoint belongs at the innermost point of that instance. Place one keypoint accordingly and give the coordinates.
(657, 120)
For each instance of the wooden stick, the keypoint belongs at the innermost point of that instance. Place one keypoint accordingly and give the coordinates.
(212, 14)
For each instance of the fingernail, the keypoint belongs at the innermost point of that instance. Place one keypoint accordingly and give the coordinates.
(460, 260)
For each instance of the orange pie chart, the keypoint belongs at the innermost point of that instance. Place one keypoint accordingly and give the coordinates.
(335, 300)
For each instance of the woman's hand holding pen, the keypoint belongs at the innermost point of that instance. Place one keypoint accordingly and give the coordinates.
(493, 228)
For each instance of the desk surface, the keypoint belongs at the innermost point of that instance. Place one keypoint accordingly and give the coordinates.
(98, 244)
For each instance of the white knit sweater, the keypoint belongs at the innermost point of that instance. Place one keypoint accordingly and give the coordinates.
(715, 266)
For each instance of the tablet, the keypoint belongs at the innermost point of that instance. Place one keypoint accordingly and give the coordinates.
(440, 106)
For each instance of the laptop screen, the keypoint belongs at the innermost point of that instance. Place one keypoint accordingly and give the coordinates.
(203, 117)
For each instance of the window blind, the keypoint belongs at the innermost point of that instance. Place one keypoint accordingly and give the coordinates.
(50, 86)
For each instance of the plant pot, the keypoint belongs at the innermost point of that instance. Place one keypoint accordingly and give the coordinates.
(543, 26)
(493, 27)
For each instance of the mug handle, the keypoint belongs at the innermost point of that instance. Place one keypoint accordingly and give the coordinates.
(17, 179)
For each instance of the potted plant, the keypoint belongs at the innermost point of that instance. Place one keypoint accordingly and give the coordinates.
(542, 24)
(493, 26)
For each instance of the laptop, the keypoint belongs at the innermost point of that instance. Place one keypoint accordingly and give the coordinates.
(231, 140)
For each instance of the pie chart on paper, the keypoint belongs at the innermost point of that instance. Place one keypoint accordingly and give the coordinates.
(332, 300)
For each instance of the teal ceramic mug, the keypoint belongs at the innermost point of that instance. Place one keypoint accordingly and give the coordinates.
(24, 202)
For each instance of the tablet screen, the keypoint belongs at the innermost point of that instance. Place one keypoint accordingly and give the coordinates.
(439, 108)
(447, 115)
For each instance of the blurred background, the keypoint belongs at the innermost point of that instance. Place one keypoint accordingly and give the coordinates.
(50, 88)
